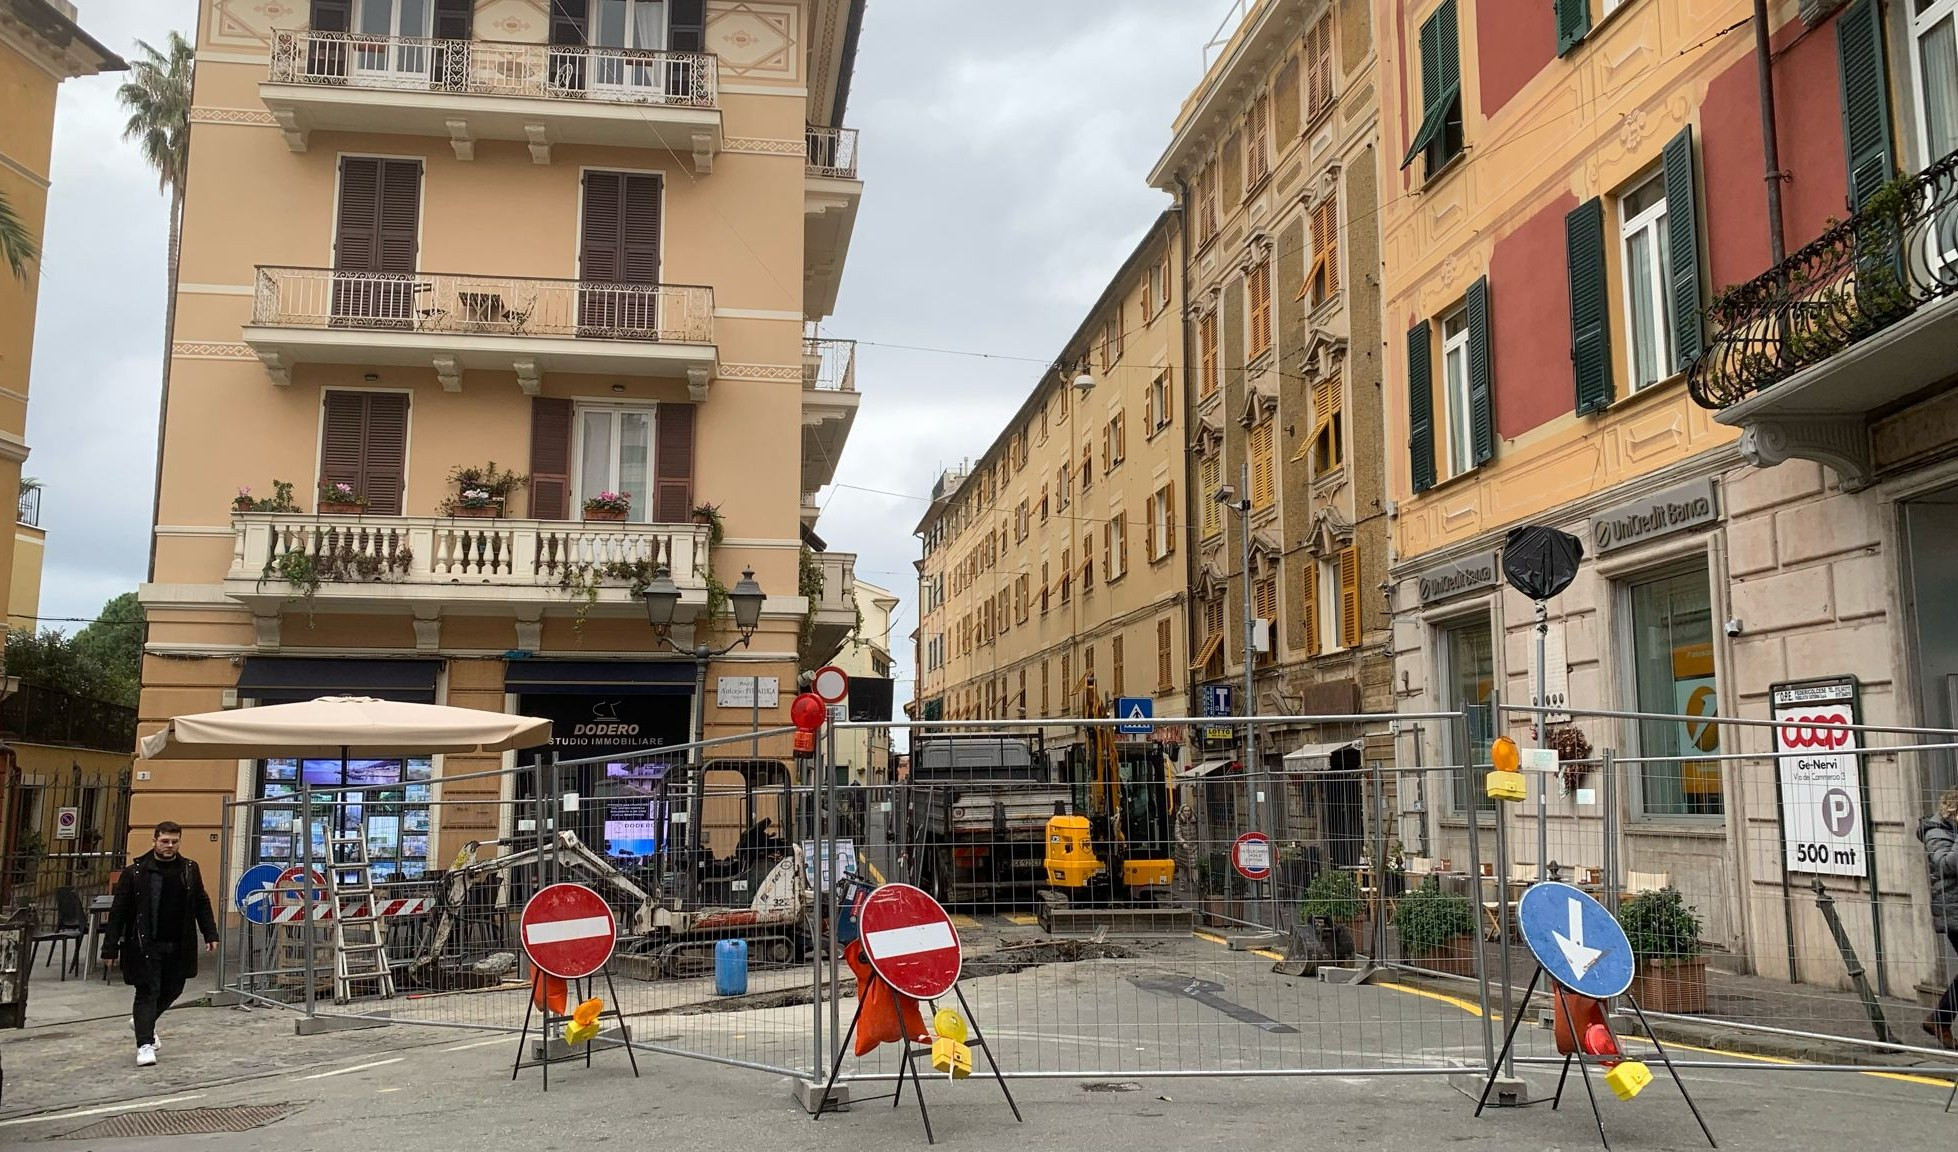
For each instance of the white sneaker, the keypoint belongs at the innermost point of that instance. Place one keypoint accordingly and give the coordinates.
(146, 1056)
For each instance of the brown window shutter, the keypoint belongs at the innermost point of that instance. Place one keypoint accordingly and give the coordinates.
(1169, 518)
(1349, 597)
(599, 240)
(550, 458)
(673, 465)
(343, 438)
(385, 471)
(1149, 532)
(332, 15)
(400, 216)
(356, 239)
(639, 229)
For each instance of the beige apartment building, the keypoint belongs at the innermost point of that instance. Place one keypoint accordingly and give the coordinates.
(578, 240)
(1275, 162)
(1054, 560)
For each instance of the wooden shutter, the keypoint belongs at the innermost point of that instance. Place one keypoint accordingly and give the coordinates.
(1165, 676)
(1261, 473)
(343, 437)
(1683, 238)
(1590, 311)
(1420, 406)
(1482, 427)
(673, 465)
(1865, 100)
(400, 216)
(332, 15)
(688, 26)
(454, 19)
(1169, 518)
(1115, 680)
(639, 229)
(1349, 597)
(356, 234)
(1309, 608)
(600, 245)
(550, 458)
(1573, 21)
(1260, 289)
(364, 443)
(1150, 546)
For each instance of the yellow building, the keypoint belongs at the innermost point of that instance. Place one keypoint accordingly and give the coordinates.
(580, 241)
(1275, 162)
(30, 550)
(1055, 561)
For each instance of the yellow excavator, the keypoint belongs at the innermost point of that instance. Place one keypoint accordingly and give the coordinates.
(1110, 856)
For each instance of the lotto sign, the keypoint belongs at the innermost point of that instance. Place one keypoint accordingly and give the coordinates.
(1821, 778)
(910, 941)
(568, 931)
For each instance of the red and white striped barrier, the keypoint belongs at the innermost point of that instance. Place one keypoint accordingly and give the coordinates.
(324, 910)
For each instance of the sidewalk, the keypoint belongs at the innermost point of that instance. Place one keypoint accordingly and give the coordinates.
(53, 1001)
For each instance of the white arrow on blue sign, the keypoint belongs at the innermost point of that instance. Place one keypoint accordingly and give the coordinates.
(1576, 940)
(254, 897)
(1135, 712)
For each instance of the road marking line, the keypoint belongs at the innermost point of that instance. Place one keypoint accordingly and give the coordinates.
(478, 1044)
(1466, 1006)
(138, 1106)
(874, 873)
(355, 1068)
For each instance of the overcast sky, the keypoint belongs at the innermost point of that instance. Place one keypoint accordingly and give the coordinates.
(1006, 147)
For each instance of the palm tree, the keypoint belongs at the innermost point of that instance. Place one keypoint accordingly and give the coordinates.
(16, 246)
(157, 95)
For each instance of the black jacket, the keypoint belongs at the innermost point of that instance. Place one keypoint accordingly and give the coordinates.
(1940, 839)
(133, 933)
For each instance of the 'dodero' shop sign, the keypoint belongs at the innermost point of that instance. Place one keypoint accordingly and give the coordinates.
(1677, 509)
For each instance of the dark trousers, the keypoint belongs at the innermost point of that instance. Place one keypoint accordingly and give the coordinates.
(1947, 1007)
(156, 990)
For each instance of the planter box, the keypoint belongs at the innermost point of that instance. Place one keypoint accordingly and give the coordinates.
(486, 512)
(613, 515)
(334, 508)
(1457, 958)
(1677, 985)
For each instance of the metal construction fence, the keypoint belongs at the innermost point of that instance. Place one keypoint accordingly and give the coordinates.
(1371, 934)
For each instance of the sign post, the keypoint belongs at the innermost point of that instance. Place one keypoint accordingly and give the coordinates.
(568, 933)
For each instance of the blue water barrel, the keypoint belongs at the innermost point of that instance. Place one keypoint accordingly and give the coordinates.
(731, 968)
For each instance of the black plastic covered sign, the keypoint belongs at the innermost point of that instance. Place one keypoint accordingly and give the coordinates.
(1539, 561)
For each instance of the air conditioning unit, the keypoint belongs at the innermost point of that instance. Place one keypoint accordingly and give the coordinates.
(1261, 632)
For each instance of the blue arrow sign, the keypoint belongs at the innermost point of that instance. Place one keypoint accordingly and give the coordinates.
(254, 897)
(1135, 713)
(1576, 940)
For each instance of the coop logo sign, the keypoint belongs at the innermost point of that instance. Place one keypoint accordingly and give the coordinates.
(1471, 574)
(1677, 509)
(1820, 774)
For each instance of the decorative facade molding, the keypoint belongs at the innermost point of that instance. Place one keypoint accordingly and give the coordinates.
(1331, 533)
(202, 351)
(763, 146)
(257, 117)
(782, 372)
(1325, 355)
(1843, 445)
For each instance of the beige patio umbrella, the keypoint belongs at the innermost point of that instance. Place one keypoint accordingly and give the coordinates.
(338, 727)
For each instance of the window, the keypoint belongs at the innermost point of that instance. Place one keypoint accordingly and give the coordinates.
(1088, 667)
(1213, 634)
(1647, 261)
(1043, 503)
(1207, 351)
(1263, 491)
(1115, 442)
(1022, 523)
(1061, 488)
(1257, 143)
(1574, 21)
(364, 443)
(1046, 586)
(1046, 682)
(410, 20)
(1322, 280)
(1350, 621)
(1067, 573)
(1309, 631)
(1022, 588)
(1455, 379)
(1259, 287)
(1116, 682)
(1210, 477)
(1264, 600)
(375, 242)
(1088, 562)
(619, 249)
(1162, 522)
(1165, 669)
(1468, 678)
(1067, 682)
(1672, 656)
(1088, 467)
(1160, 414)
(395, 818)
(1115, 547)
(1328, 425)
(1439, 138)
(1206, 191)
(1934, 71)
(615, 454)
(1319, 69)
(1043, 421)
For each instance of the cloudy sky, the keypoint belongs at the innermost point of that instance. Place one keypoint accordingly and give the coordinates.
(1006, 147)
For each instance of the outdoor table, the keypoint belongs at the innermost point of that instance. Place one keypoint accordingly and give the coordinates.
(98, 916)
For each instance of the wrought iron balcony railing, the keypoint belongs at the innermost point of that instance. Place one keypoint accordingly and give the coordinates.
(449, 304)
(38, 715)
(832, 152)
(1895, 256)
(495, 68)
(30, 508)
(829, 365)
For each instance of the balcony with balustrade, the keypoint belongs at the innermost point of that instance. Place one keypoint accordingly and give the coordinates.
(454, 323)
(470, 90)
(435, 566)
(829, 406)
(831, 196)
(833, 609)
(1856, 326)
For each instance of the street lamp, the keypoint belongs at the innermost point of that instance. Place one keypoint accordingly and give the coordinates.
(1239, 500)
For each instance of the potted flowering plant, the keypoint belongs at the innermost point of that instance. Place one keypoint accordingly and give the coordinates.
(243, 501)
(709, 516)
(608, 506)
(481, 491)
(339, 498)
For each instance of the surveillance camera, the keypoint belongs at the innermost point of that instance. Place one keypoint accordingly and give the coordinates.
(1733, 626)
(1226, 494)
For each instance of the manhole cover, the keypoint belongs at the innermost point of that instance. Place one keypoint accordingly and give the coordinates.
(184, 1122)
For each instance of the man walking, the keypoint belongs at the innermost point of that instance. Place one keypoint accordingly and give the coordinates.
(160, 907)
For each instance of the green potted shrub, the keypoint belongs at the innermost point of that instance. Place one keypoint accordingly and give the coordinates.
(1665, 935)
(1332, 902)
(1437, 929)
(482, 490)
(709, 516)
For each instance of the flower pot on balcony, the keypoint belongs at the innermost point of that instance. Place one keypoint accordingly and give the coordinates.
(611, 514)
(336, 508)
(1675, 984)
(489, 511)
(242, 504)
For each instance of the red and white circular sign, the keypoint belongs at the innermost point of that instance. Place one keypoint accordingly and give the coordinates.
(1251, 856)
(568, 931)
(830, 683)
(910, 941)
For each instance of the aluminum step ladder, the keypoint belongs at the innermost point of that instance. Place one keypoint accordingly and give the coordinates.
(359, 937)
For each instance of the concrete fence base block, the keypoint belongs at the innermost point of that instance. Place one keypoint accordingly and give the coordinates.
(607, 1039)
(321, 1025)
(1509, 1092)
(1255, 941)
(807, 1092)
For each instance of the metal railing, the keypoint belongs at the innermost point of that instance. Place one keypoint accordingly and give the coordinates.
(558, 554)
(495, 68)
(829, 365)
(30, 508)
(1861, 276)
(38, 715)
(451, 304)
(832, 152)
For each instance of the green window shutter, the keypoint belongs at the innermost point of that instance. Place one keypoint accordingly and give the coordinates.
(1683, 238)
(1865, 102)
(1448, 36)
(1420, 406)
(1590, 310)
(1431, 89)
(1573, 22)
(1482, 425)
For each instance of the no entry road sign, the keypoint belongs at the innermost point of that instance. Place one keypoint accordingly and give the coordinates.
(910, 941)
(1576, 940)
(568, 931)
(1251, 856)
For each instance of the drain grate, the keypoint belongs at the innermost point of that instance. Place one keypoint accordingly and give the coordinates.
(184, 1122)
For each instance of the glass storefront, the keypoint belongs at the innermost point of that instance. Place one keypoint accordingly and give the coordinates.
(1469, 681)
(1672, 654)
(394, 819)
